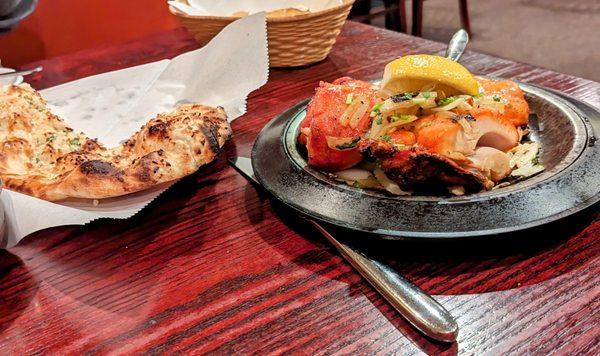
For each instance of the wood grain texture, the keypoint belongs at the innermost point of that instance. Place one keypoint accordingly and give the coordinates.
(213, 266)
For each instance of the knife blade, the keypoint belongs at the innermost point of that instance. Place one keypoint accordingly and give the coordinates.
(21, 72)
(416, 306)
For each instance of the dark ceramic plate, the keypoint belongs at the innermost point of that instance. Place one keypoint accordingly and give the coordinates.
(571, 182)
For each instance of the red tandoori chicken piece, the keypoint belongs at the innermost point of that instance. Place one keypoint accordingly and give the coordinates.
(324, 123)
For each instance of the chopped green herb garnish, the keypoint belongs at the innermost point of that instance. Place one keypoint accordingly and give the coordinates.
(51, 138)
(377, 108)
(356, 184)
(426, 95)
(446, 101)
(496, 97)
(75, 142)
(480, 95)
(386, 138)
(379, 120)
(349, 98)
(348, 145)
(37, 160)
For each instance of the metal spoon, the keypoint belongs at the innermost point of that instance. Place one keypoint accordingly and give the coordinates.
(21, 72)
(457, 45)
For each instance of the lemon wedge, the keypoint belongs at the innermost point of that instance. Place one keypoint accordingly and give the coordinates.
(413, 73)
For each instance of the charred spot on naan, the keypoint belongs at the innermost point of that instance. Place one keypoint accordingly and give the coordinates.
(159, 129)
(92, 145)
(97, 167)
(148, 168)
(211, 135)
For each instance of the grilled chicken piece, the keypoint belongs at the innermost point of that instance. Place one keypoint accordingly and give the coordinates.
(444, 136)
(496, 132)
(329, 119)
(417, 169)
(516, 109)
(448, 152)
(403, 137)
(457, 138)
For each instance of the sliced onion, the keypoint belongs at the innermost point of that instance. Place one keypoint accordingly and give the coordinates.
(450, 106)
(376, 128)
(390, 107)
(370, 182)
(359, 113)
(464, 106)
(445, 114)
(353, 174)
(387, 183)
(522, 160)
(527, 171)
(457, 190)
(305, 131)
(523, 154)
(385, 129)
(349, 115)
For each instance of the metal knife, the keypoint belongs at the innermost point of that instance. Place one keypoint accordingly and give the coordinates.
(21, 72)
(416, 306)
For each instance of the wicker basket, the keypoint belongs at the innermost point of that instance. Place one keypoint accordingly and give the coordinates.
(293, 41)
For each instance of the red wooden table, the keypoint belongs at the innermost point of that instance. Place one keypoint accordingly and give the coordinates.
(214, 266)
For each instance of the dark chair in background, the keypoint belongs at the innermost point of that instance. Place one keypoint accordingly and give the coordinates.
(393, 10)
(395, 14)
(417, 23)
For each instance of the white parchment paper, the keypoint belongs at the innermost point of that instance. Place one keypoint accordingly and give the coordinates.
(112, 106)
(228, 7)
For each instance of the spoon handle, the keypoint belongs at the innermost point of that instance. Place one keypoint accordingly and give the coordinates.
(457, 45)
(420, 309)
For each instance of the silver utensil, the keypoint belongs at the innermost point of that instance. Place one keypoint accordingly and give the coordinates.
(457, 45)
(21, 72)
(420, 309)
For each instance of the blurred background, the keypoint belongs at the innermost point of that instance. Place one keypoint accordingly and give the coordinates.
(556, 34)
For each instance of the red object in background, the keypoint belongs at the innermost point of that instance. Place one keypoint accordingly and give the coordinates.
(58, 27)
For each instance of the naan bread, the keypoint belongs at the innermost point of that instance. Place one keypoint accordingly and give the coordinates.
(43, 157)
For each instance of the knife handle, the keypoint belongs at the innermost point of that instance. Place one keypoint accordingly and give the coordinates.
(416, 306)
